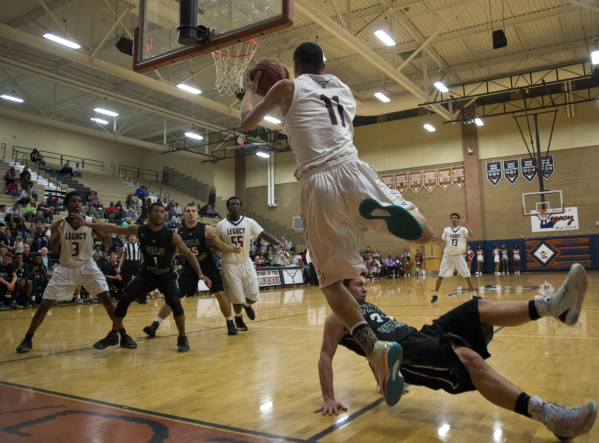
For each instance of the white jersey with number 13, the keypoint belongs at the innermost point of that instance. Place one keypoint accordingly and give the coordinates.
(238, 233)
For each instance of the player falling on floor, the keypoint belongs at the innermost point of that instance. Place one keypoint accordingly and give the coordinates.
(341, 197)
(450, 354)
(194, 235)
(76, 266)
(239, 273)
(455, 237)
(157, 244)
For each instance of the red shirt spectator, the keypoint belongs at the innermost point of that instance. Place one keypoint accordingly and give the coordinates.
(418, 258)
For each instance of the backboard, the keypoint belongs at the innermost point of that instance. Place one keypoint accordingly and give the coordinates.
(551, 202)
(155, 40)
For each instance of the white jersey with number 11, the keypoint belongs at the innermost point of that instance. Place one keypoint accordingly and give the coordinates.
(238, 233)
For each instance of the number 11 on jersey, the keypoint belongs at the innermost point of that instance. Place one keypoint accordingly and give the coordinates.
(329, 104)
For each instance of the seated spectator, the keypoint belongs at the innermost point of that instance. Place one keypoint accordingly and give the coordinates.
(389, 267)
(65, 169)
(36, 157)
(164, 202)
(46, 259)
(113, 278)
(177, 210)
(116, 240)
(25, 196)
(12, 189)
(30, 209)
(97, 251)
(282, 260)
(21, 228)
(10, 177)
(23, 289)
(141, 192)
(297, 259)
(8, 241)
(46, 209)
(104, 259)
(39, 239)
(25, 178)
(77, 171)
(19, 243)
(399, 271)
(13, 213)
(54, 203)
(117, 250)
(8, 279)
(38, 274)
(27, 257)
(39, 220)
(210, 212)
(112, 212)
(174, 223)
(2, 215)
(288, 244)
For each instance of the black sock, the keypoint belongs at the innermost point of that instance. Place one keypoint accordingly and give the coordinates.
(28, 336)
(532, 311)
(122, 331)
(522, 405)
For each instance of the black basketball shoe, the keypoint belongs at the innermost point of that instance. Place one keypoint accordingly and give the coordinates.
(250, 312)
(25, 346)
(151, 330)
(112, 339)
(127, 342)
(435, 298)
(231, 329)
(182, 343)
(240, 324)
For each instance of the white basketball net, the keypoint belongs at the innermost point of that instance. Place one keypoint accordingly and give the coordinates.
(231, 65)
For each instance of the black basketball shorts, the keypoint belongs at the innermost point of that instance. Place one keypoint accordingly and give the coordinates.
(188, 281)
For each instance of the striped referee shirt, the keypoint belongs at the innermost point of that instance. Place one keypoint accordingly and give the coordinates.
(131, 251)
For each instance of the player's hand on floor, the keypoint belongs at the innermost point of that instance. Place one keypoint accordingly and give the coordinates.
(330, 407)
(205, 280)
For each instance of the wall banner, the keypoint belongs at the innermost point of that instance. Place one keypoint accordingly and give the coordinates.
(494, 172)
(529, 168)
(548, 166)
(401, 182)
(415, 181)
(458, 176)
(445, 178)
(430, 179)
(511, 170)
(387, 180)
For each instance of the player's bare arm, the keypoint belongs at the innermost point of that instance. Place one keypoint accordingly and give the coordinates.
(440, 239)
(213, 240)
(123, 255)
(281, 94)
(56, 231)
(193, 261)
(269, 238)
(104, 228)
(469, 235)
(105, 239)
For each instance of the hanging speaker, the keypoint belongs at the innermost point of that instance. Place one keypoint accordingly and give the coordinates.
(125, 45)
(499, 39)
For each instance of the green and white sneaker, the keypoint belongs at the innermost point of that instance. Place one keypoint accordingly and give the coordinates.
(565, 304)
(385, 361)
(565, 423)
(399, 221)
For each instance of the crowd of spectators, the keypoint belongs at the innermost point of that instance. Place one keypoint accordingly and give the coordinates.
(23, 277)
(379, 267)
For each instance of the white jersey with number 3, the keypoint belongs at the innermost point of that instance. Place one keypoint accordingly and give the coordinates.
(319, 121)
(76, 245)
(238, 233)
(455, 240)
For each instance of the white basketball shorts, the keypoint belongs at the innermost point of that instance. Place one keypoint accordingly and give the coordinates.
(64, 279)
(450, 263)
(330, 198)
(240, 281)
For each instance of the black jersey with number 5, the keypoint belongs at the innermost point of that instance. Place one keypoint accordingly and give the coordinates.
(195, 240)
(384, 327)
(157, 248)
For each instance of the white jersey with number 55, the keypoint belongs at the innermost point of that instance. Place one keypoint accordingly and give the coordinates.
(455, 240)
(319, 121)
(76, 245)
(238, 233)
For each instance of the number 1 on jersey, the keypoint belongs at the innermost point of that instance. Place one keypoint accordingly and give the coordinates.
(156, 261)
(329, 105)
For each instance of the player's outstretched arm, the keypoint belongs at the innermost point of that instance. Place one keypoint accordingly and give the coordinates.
(193, 261)
(281, 92)
(213, 240)
(105, 239)
(269, 238)
(333, 333)
(104, 228)
(469, 235)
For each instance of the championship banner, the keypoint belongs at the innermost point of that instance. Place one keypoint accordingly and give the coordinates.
(494, 172)
(548, 166)
(445, 178)
(388, 180)
(430, 179)
(415, 181)
(268, 277)
(511, 170)
(458, 176)
(401, 182)
(529, 168)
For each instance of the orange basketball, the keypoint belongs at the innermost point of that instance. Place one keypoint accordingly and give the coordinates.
(271, 71)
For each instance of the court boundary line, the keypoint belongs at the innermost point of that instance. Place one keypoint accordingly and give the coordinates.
(152, 413)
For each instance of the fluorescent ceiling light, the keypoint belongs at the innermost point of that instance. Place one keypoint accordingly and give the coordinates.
(595, 57)
(62, 41)
(262, 154)
(478, 122)
(192, 135)
(268, 118)
(382, 35)
(188, 88)
(382, 97)
(107, 112)
(99, 120)
(11, 98)
(429, 128)
(441, 87)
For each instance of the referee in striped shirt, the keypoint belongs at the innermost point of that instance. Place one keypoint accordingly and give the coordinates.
(131, 260)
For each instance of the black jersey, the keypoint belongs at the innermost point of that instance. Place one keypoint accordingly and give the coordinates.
(384, 327)
(157, 249)
(195, 240)
(22, 273)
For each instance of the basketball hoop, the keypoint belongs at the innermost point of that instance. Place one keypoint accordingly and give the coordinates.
(231, 66)
(542, 213)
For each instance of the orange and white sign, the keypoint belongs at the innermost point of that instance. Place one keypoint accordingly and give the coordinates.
(401, 182)
(415, 181)
(430, 179)
(445, 178)
(387, 180)
(458, 176)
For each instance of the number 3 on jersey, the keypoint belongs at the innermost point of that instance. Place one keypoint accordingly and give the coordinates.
(329, 104)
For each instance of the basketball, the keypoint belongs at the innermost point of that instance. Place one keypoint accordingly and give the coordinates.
(272, 72)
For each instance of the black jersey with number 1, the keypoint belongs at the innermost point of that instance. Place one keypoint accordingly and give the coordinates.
(157, 248)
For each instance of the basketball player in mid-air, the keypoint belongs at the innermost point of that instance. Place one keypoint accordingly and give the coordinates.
(194, 235)
(76, 266)
(450, 354)
(239, 273)
(455, 237)
(341, 196)
(158, 245)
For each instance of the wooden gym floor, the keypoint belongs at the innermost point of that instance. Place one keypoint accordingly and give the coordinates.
(262, 385)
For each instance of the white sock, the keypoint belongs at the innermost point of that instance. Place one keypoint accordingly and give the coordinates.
(158, 320)
(434, 292)
(238, 315)
(245, 303)
(229, 318)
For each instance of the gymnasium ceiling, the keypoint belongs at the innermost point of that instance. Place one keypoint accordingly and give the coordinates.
(65, 85)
